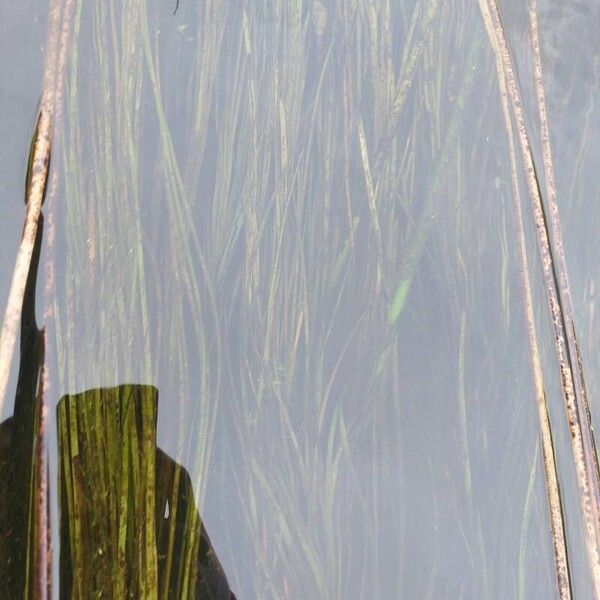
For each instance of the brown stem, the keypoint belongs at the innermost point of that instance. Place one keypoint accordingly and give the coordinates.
(559, 305)
(35, 198)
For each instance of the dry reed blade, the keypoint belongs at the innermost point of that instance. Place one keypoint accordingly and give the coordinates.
(554, 270)
(550, 471)
(35, 196)
(590, 454)
(35, 191)
(64, 46)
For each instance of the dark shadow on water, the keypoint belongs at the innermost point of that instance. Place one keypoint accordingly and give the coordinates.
(129, 526)
(18, 436)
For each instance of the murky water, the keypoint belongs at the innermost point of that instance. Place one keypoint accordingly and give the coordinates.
(294, 220)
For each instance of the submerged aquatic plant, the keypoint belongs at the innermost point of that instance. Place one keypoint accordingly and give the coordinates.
(287, 216)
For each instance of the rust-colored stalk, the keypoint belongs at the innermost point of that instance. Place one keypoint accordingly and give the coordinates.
(549, 461)
(556, 283)
(564, 291)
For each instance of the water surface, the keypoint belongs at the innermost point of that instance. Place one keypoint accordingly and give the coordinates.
(294, 220)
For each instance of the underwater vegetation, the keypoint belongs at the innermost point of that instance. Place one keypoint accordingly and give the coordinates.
(351, 243)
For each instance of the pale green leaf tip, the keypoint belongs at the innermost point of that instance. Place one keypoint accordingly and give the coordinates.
(399, 300)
